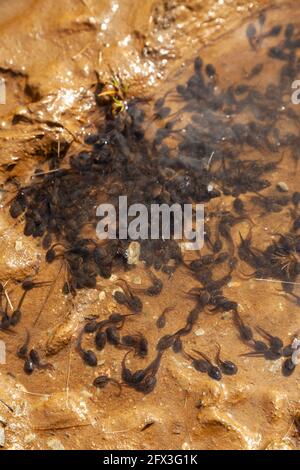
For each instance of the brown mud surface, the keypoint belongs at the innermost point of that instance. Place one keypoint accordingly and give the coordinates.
(51, 55)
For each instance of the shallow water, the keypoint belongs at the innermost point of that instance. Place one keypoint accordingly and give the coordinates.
(256, 408)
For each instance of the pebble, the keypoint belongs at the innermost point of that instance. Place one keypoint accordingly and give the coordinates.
(133, 253)
(102, 295)
(283, 187)
(199, 332)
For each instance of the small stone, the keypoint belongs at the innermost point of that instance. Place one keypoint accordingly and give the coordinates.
(92, 20)
(133, 253)
(199, 332)
(102, 295)
(55, 444)
(2, 437)
(283, 187)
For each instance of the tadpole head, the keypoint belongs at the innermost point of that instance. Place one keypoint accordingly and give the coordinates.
(215, 373)
(288, 367)
(101, 381)
(229, 368)
(90, 358)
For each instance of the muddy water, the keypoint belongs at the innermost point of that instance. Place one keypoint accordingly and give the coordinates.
(51, 51)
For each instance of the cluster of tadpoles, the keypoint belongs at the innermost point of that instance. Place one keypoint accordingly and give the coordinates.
(208, 161)
(8, 321)
(214, 370)
(272, 348)
(108, 332)
(280, 261)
